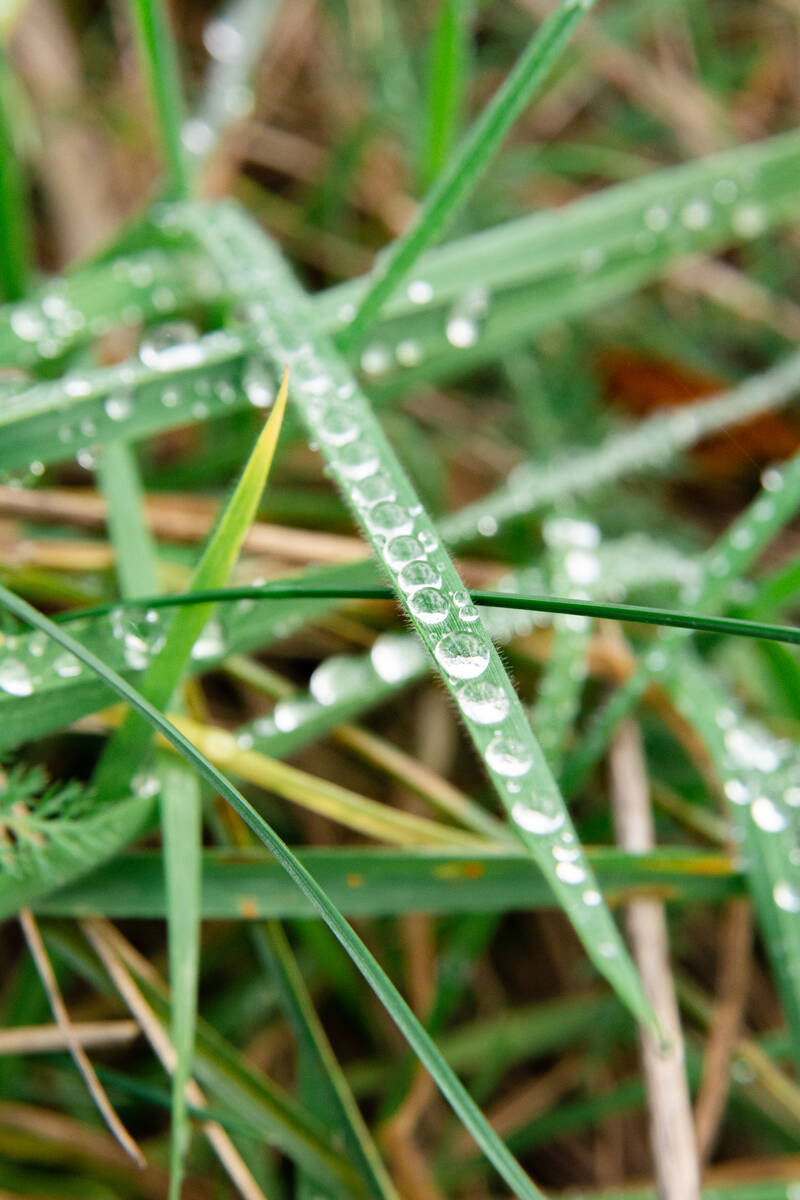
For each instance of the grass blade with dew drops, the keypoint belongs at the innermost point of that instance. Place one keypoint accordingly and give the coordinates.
(725, 562)
(386, 882)
(122, 756)
(234, 40)
(465, 166)
(448, 1083)
(408, 548)
(180, 802)
(157, 51)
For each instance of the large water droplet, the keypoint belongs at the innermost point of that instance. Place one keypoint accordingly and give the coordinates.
(373, 490)
(337, 677)
(570, 872)
(390, 519)
(767, 815)
(417, 575)
(171, 347)
(535, 820)
(357, 460)
(211, 642)
(429, 606)
(508, 756)
(483, 702)
(15, 678)
(402, 550)
(463, 656)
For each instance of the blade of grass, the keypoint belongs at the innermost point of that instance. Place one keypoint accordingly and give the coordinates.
(372, 882)
(404, 1018)
(158, 55)
(446, 83)
(465, 166)
(14, 230)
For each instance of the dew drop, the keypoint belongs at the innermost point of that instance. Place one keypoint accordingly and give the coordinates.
(748, 220)
(337, 428)
(357, 460)
(570, 872)
(376, 360)
(767, 816)
(536, 821)
(211, 642)
(15, 678)
(257, 382)
(736, 792)
(67, 666)
(463, 656)
(402, 550)
(786, 896)
(418, 575)
(118, 406)
(696, 214)
(223, 41)
(508, 756)
(656, 218)
(469, 613)
(171, 347)
(390, 519)
(335, 678)
(373, 489)
(429, 606)
(420, 291)
(592, 897)
(483, 702)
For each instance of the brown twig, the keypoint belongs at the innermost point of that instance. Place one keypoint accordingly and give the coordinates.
(44, 1039)
(726, 1019)
(672, 1132)
(73, 1044)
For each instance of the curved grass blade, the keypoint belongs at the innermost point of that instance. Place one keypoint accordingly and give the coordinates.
(122, 756)
(464, 168)
(234, 40)
(426, 1051)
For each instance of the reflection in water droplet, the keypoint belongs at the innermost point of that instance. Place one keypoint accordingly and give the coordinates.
(257, 382)
(463, 656)
(429, 606)
(67, 666)
(508, 756)
(15, 678)
(483, 702)
(390, 519)
(402, 550)
(786, 896)
(417, 575)
(767, 815)
(536, 821)
(569, 872)
(171, 347)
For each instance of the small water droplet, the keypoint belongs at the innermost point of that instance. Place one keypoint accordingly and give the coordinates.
(171, 347)
(390, 519)
(357, 460)
(420, 291)
(402, 550)
(258, 383)
(67, 666)
(395, 657)
(534, 820)
(592, 897)
(570, 872)
(696, 214)
(748, 220)
(118, 406)
(211, 642)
